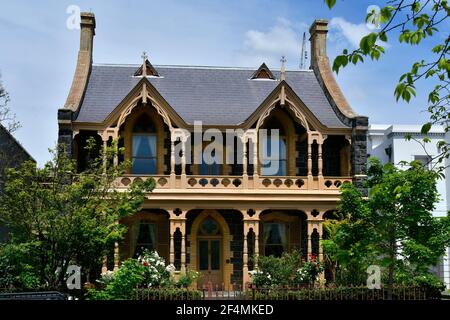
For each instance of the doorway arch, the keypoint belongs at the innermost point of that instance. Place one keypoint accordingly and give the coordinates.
(223, 235)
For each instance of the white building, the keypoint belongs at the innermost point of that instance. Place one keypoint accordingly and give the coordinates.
(388, 143)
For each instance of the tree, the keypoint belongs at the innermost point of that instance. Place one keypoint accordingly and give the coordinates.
(410, 22)
(61, 217)
(394, 227)
(7, 118)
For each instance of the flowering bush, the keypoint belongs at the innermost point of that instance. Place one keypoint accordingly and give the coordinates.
(155, 271)
(147, 270)
(309, 271)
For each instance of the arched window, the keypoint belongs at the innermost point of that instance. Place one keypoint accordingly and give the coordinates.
(274, 153)
(143, 155)
(275, 238)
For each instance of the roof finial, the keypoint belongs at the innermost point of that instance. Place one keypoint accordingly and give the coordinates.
(144, 63)
(283, 68)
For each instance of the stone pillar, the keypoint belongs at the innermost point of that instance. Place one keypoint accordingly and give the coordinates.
(250, 223)
(65, 133)
(178, 222)
(183, 248)
(171, 247)
(245, 256)
(116, 254)
(359, 152)
(105, 265)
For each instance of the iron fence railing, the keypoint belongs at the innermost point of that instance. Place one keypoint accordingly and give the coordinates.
(252, 292)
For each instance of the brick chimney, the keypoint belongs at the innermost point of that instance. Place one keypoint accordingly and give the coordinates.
(87, 32)
(318, 39)
(84, 62)
(79, 82)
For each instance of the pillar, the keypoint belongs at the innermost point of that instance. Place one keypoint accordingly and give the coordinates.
(171, 247)
(105, 265)
(116, 254)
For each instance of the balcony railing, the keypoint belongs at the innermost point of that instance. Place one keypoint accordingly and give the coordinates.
(239, 182)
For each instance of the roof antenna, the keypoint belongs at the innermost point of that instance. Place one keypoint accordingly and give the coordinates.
(304, 54)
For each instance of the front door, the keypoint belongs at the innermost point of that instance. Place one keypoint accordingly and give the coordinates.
(209, 262)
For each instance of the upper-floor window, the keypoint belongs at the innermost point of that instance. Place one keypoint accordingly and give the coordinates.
(209, 165)
(274, 159)
(144, 154)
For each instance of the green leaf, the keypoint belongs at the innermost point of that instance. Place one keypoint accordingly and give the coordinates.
(330, 3)
(425, 128)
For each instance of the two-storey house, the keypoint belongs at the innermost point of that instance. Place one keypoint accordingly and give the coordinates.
(214, 213)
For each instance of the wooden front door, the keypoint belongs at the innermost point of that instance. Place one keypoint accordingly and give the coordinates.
(210, 262)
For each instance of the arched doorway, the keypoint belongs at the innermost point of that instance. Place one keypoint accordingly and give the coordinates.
(210, 249)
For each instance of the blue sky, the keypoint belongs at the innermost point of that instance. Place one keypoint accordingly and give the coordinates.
(38, 52)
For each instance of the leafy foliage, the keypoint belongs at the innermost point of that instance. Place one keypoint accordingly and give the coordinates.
(63, 217)
(411, 22)
(149, 270)
(394, 227)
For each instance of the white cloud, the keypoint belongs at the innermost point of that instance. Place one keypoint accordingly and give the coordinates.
(284, 38)
(352, 32)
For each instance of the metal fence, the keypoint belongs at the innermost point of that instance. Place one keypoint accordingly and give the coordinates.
(251, 292)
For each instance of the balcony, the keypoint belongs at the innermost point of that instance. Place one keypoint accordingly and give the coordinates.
(225, 183)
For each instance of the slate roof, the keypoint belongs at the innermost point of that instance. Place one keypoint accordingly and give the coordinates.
(213, 95)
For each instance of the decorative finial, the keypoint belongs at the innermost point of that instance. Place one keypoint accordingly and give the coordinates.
(283, 69)
(144, 63)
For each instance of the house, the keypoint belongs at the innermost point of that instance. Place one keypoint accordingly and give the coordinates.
(12, 155)
(290, 139)
(388, 143)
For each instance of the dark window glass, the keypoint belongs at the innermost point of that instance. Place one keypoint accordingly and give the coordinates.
(215, 255)
(203, 251)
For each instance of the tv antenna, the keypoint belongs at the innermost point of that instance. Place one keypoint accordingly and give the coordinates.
(304, 54)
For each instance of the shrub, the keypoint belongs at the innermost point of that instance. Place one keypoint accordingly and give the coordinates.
(149, 270)
(273, 271)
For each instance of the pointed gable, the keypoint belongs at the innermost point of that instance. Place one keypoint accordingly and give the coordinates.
(263, 72)
(149, 70)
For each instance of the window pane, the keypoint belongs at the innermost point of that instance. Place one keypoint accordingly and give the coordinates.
(203, 254)
(144, 146)
(275, 238)
(215, 255)
(144, 166)
(276, 166)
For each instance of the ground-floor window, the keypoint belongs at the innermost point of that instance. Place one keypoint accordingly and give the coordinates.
(275, 238)
(144, 237)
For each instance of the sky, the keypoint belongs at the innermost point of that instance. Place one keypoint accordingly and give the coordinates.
(38, 51)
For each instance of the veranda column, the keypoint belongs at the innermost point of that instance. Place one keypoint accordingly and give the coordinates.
(310, 228)
(105, 265)
(253, 135)
(171, 244)
(244, 140)
(320, 162)
(309, 156)
(172, 159)
(320, 231)
(116, 254)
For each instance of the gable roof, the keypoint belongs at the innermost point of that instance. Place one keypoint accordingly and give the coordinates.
(213, 95)
(263, 72)
(11, 139)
